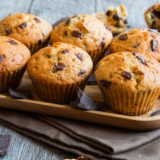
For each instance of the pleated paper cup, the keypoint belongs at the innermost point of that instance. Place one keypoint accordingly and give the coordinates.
(11, 79)
(35, 47)
(57, 93)
(130, 103)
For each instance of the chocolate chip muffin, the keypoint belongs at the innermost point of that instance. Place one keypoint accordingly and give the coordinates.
(13, 59)
(141, 40)
(129, 81)
(31, 30)
(57, 71)
(86, 32)
(115, 18)
(152, 16)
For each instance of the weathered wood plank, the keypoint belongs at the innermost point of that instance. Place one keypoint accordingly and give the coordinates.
(53, 10)
(8, 7)
(26, 148)
(136, 9)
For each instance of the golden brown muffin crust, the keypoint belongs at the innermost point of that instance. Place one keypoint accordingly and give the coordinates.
(13, 54)
(129, 71)
(152, 16)
(61, 63)
(115, 18)
(139, 40)
(84, 31)
(26, 28)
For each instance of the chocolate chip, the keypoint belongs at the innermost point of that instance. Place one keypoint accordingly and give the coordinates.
(49, 56)
(136, 45)
(84, 102)
(12, 42)
(115, 17)
(156, 13)
(80, 56)
(91, 80)
(5, 144)
(68, 21)
(39, 42)
(109, 29)
(82, 73)
(108, 13)
(102, 45)
(37, 20)
(153, 23)
(66, 33)
(151, 9)
(65, 51)
(105, 83)
(125, 21)
(153, 30)
(9, 31)
(59, 67)
(123, 37)
(123, 59)
(135, 53)
(23, 25)
(152, 16)
(127, 75)
(142, 60)
(77, 34)
(154, 45)
(1, 58)
(20, 94)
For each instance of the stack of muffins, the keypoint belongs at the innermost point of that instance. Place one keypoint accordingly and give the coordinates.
(129, 79)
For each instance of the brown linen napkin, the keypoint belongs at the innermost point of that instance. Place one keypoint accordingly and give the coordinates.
(82, 138)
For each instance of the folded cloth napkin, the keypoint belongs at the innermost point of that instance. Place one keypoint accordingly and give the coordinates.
(94, 141)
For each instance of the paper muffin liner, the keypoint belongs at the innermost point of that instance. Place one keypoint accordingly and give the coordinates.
(130, 103)
(97, 55)
(11, 79)
(57, 93)
(35, 47)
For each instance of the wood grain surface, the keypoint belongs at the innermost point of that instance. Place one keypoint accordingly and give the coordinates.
(24, 147)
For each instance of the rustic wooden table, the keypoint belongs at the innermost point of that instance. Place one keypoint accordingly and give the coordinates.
(24, 147)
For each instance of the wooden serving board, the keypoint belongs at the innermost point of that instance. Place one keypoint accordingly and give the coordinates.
(106, 117)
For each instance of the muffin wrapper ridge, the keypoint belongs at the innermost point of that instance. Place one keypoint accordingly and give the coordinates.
(96, 56)
(57, 93)
(35, 47)
(11, 79)
(130, 103)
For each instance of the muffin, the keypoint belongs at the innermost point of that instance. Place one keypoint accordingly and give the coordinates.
(115, 18)
(31, 30)
(129, 82)
(86, 32)
(152, 16)
(13, 59)
(57, 71)
(141, 40)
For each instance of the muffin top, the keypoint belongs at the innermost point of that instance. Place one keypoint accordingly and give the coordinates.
(61, 63)
(152, 16)
(13, 54)
(84, 31)
(26, 28)
(128, 70)
(141, 40)
(114, 18)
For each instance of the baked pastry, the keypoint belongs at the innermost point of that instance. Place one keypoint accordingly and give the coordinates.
(152, 16)
(86, 32)
(31, 30)
(129, 81)
(141, 40)
(57, 71)
(115, 18)
(13, 59)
